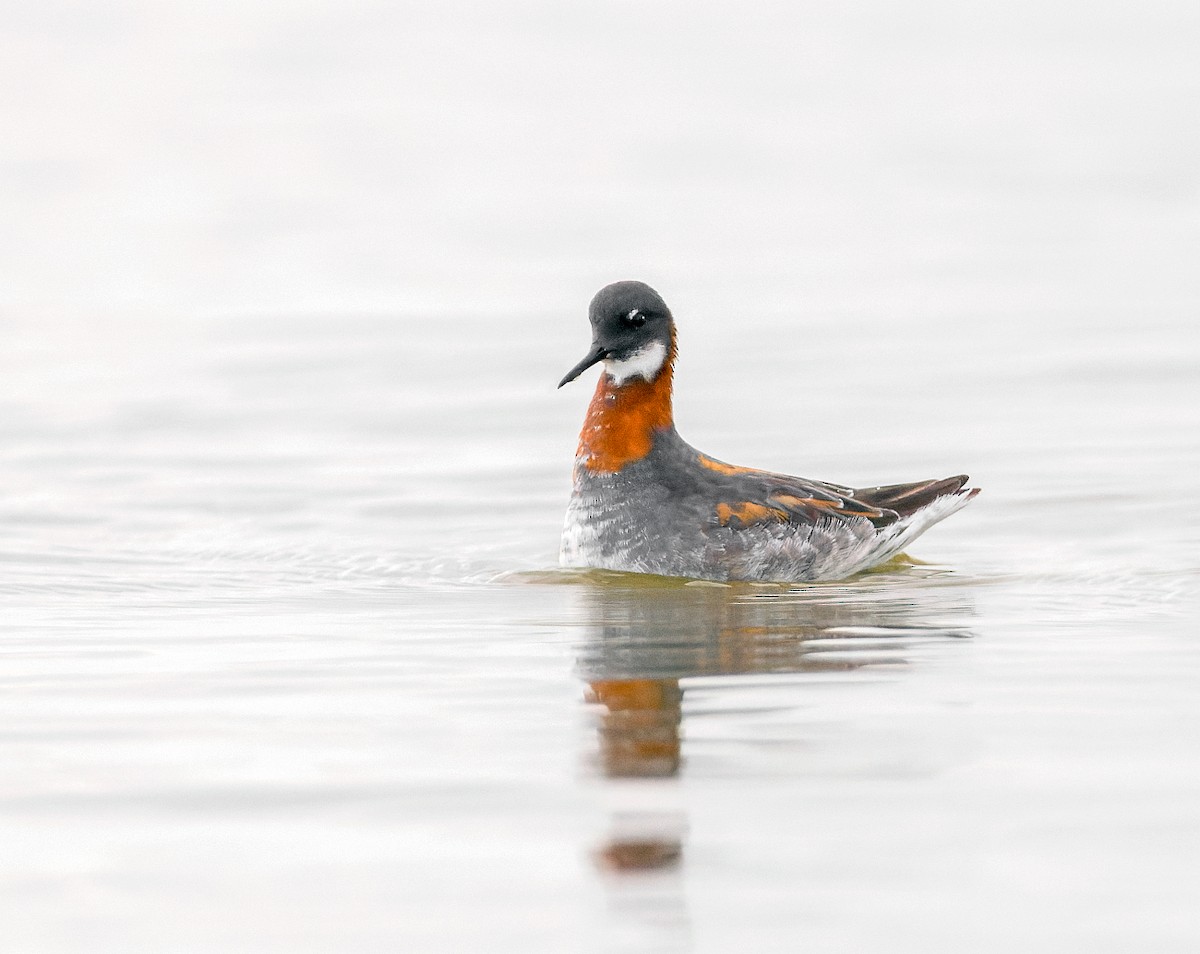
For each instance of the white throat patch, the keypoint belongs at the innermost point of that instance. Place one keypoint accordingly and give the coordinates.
(644, 363)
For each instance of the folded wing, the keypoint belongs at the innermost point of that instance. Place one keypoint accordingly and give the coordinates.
(755, 497)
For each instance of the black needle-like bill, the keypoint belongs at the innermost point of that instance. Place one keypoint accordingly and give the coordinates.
(595, 356)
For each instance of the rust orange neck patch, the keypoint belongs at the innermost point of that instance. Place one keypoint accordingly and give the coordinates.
(622, 419)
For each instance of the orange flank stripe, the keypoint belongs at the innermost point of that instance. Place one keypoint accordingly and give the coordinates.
(747, 513)
(720, 468)
(857, 509)
(801, 502)
(622, 420)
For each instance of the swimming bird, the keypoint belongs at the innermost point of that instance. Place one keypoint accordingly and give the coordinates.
(645, 501)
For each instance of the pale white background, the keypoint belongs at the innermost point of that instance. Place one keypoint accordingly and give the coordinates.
(284, 293)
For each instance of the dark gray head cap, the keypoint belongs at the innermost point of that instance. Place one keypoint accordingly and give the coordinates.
(625, 317)
(623, 298)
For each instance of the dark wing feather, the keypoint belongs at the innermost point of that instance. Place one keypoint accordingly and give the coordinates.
(907, 499)
(750, 497)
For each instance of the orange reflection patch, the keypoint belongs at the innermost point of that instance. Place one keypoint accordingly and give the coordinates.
(639, 728)
(620, 694)
(647, 854)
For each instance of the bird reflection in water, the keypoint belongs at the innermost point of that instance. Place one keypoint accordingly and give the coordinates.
(639, 738)
(646, 637)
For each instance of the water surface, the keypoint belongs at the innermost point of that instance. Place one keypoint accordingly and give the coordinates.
(287, 662)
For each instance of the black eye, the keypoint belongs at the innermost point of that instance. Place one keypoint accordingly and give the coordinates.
(635, 319)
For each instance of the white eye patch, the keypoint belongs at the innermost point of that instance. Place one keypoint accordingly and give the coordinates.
(644, 363)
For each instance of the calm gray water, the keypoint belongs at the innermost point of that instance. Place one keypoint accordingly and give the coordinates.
(287, 665)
